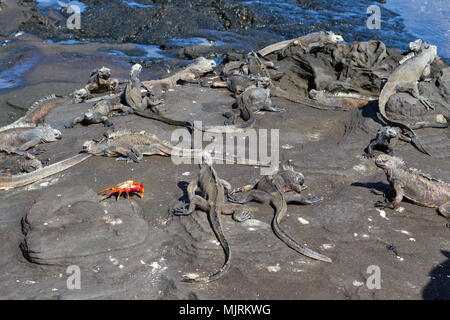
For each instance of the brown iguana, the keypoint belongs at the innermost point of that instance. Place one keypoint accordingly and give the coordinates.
(279, 189)
(19, 140)
(212, 200)
(132, 146)
(413, 185)
(36, 112)
(405, 78)
(308, 42)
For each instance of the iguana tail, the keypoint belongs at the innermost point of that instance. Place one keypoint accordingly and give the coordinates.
(20, 180)
(280, 93)
(281, 208)
(414, 138)
(214, 221)
(154, 116)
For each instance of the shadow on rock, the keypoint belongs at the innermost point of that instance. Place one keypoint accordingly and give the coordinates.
(439, 286)
(377, 186)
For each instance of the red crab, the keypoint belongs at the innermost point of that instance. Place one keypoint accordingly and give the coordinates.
(127, 187)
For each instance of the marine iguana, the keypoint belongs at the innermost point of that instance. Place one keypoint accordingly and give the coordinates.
(100, 82)
(308, 42)
(36, 112)
(382, 141)
(280, 189)
(99, 113)
(413, 185)
(256, 67)
(19, 140)
(405, 78)
(132, 97)
(212, 200)
(200, 67)
(253, 98)
(132, 146)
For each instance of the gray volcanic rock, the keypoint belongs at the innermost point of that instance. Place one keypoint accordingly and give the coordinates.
(70, 225)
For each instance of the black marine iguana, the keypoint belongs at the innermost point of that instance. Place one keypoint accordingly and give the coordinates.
(279, 189)
(212, 200)
(382, 141)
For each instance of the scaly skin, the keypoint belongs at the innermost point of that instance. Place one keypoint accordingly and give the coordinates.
(22, 139)
(212, 201)
(308, 42)
(405, 78)
(37, 112)
(132, 146)
(413, 185)
(278, 190)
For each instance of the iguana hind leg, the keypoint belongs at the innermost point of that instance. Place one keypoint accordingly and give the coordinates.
(394, 203)
(294, 197)
(253, 195)
(240, 213)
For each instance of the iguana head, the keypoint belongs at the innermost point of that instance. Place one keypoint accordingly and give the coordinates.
(92, 147)
(293, 179)
(388, 162)
(335, 38)
(48, 134)
(388, 132)
(431, 50)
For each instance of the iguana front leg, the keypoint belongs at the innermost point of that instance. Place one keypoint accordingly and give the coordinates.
(413, 89)
(394, 203)
(444, 210)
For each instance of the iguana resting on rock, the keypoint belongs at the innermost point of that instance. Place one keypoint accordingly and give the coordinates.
(200, 67)
(307, 42)
(19, 140)
(279, 189)
(413, 185)
(37, 112)
(212, 200)
(132, 97)
(404, 78)
(100, 113)
(132, 146)
(257, 67)
(253, 98)
(99, 82)
(382, 141)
